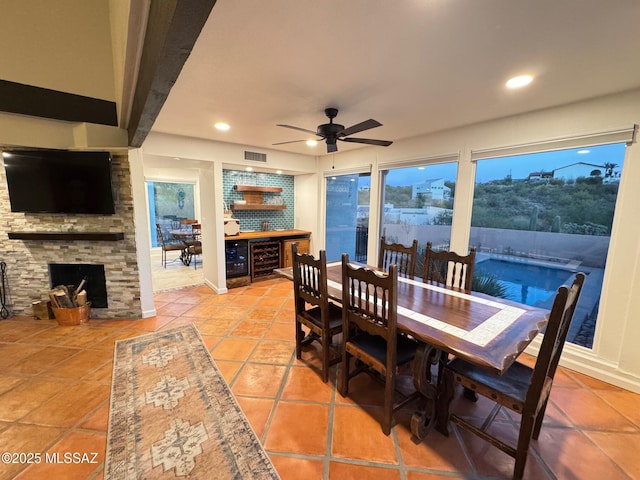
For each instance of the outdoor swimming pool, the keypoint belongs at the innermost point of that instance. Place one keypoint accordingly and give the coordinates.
(526, 283)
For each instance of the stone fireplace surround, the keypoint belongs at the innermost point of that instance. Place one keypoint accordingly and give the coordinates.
(28, 259)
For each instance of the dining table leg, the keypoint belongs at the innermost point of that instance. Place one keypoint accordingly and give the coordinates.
(428, 384)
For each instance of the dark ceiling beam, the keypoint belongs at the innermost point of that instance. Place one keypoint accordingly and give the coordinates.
(173, 27)
(43, 102)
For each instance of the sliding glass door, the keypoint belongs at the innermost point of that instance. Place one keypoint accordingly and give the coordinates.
(347, 216)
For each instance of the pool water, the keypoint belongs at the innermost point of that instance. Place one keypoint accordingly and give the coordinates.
(525, 283)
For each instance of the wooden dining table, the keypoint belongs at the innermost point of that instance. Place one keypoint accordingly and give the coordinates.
(487, 331)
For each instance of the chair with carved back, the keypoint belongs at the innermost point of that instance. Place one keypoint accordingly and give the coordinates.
(313, 309)
(400, 255)
(370, 333)
(167, 246)
(447, 268)
(194, 244)
(522, 389)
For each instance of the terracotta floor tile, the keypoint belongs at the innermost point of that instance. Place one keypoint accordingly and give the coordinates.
(250, 328)
(257, 411)
(217, 326)
(306, 385)
(87, 453)
(571, 454)
(350, 471)
(292, 468)
(273, 302)
(357, 434)
(591, 429)
(81, 364)
(262, 313)
(98, 420)
(228, 368)
(43, 360)
(435, 451)
(9, 381)
(234, 349)
(173, 309)
(283, 331)
(627, 403)
(298, 428)
(27, 396)
(273, 351)
(69, 406)
(259, 380)
(14, 353)
(622, 448)
(587, 410)
(492, 462)
(22, 439)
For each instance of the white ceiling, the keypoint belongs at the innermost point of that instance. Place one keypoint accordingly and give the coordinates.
(416, 66)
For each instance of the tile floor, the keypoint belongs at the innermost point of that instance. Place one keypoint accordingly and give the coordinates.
(55, 383)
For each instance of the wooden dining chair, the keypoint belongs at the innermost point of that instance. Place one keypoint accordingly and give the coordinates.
(522, 389)
(313, 309)
(400, 255)
(194, 244)
(369, 329)
(167, 246)
(447, 268)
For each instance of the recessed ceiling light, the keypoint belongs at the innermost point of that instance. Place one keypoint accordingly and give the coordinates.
(249, 169)
(222, 126)
(279, 172)
(519, 81)
(582, 152)
(312, 143)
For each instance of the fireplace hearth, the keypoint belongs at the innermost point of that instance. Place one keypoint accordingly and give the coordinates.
(73, 274)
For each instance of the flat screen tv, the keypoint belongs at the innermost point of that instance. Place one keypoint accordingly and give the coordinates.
(59, 181)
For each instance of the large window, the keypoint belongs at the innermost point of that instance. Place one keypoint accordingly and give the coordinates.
(539, 218)
(168, 204)
(347, 222)
(417, 203)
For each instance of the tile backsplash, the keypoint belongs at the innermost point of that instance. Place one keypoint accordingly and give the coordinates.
(252, 219)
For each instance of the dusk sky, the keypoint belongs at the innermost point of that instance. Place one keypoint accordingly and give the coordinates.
(518, 166)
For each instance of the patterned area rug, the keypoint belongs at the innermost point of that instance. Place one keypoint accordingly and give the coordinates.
(173, 416)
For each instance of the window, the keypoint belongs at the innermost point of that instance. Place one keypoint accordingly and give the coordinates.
(168, 204)
(417, 203)
(539, 218)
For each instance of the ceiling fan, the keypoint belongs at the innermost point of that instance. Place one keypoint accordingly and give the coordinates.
(332, 132)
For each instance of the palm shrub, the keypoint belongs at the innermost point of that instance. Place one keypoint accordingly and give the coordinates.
(489, 284)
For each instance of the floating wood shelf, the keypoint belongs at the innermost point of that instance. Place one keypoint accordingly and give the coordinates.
(257, 206)
(256, 188)
(90, 236)
(254, 196)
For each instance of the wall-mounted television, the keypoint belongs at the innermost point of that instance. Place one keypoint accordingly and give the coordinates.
(59, 181)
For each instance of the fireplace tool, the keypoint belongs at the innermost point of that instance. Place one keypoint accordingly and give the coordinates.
(4, 311)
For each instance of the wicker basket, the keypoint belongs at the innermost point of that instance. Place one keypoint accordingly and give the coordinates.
(72, 316)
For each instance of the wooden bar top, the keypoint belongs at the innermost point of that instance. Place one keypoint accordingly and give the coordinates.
(268, 234)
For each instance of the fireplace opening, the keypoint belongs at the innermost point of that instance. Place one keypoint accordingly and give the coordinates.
(73, 273)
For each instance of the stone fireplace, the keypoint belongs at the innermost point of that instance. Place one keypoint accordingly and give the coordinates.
(30, 243)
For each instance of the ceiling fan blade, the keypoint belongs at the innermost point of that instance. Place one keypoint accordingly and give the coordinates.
(369, 141)
(359, 127)
(297, 128)
(290, 141)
